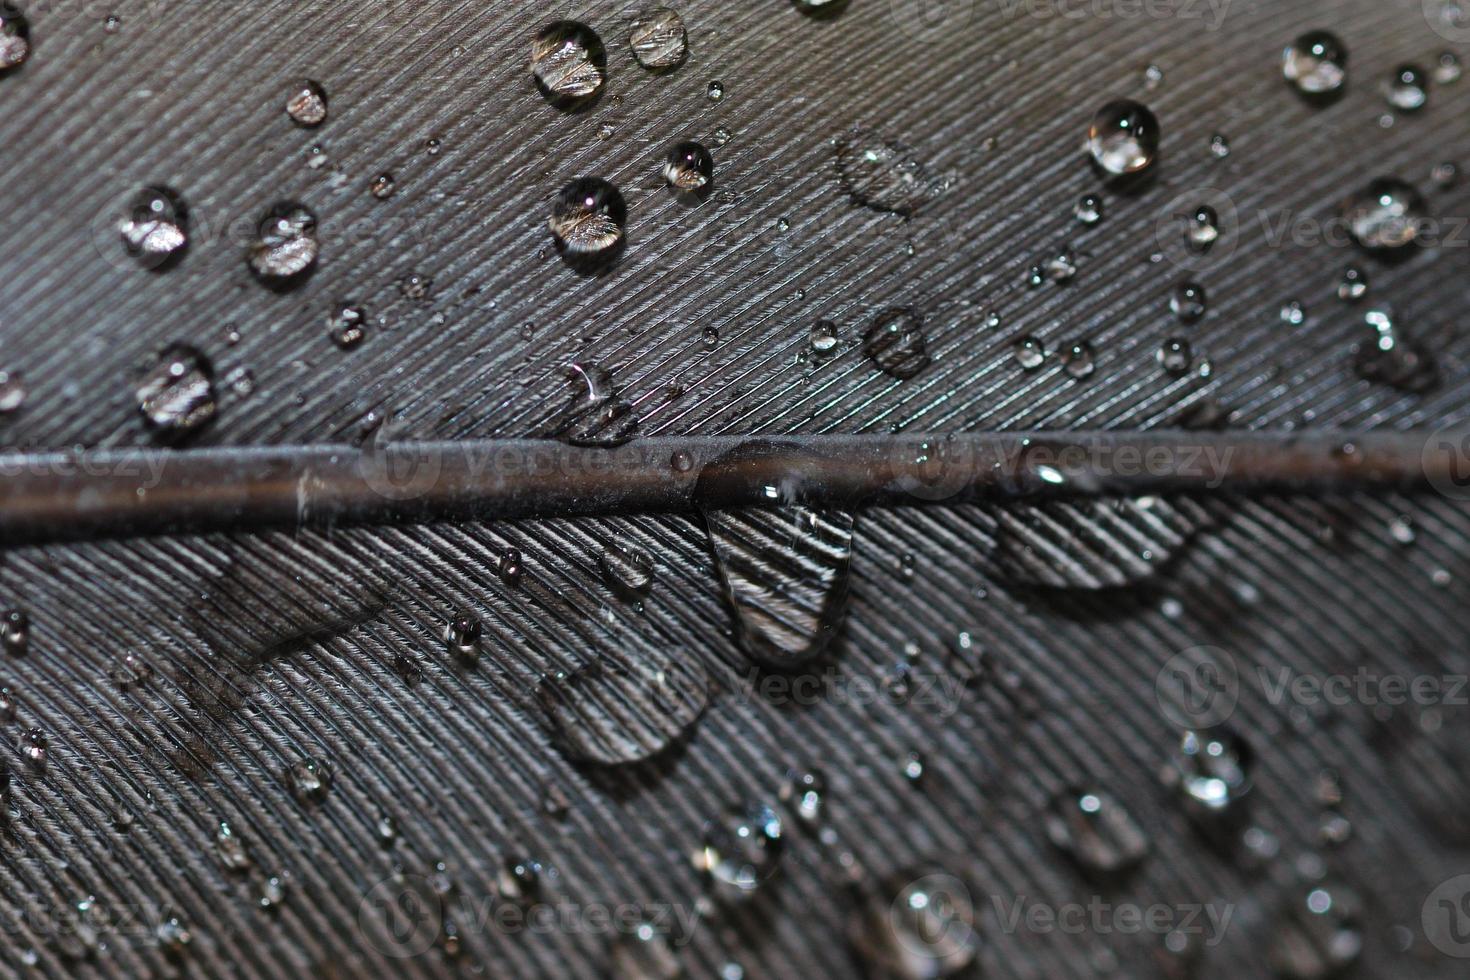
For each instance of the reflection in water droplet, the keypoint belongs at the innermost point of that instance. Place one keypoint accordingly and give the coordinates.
(587, 221)
(1408, 89)
(689, 170)
(15, 37)
(1029, 352)
(1078, 360)
(919, 924)
(1189, 302)
(1387, 214)
(15, 632)
(383, 186)
(176, 394)
(1123, 138)
(627, 569)
(612, 713)
(741, 851)
(12, 392)
(597, 417)
(1316, 64)
(884, 175)
(1319, 936)
(309, 780)
(348, 327)
(1175, 356)
(286, 247)
(1389, 357)
(568, 62)
(1089, 209)
(156, 230)
(307, 104)
(895, 343)
(1211, 773)
(1096, 831)
(659, 39)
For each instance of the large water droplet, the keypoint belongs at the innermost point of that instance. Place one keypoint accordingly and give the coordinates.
(15, 37)
(569, 63)
(1316, 64)
(612, 713)
(307, 104)
(1123, 138)
(741, 851)
(1387, 214)
(597, 417)
(1096, 831)
(587, 221)
(884, 175)
(917, 925)
(285, 250)
(895, 343)
(155, 231)
(1211, 773)
(176, 394)
(659, 39)
(689, 170)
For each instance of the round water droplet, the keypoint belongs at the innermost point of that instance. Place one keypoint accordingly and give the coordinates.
(173, 938)
(155, 231)
(307, 104)
(1387, 214)
(1188, 302)
(463, 635)
(416, 287)
(741, 851)
(569, 63)
(383, 186)
(644, 954)
(716, 91)
(309, 780)
(689, 170)
(33, 746)
(1096, 831)
(884, 175)
(510, 566)
(1447, 69)
(1354, 285)
(919, 924)
(12, 392)
(1078, 360)
(1408, 89)
(1123, 138)
(1211, 772)
(15, 632)
(1294, 313)
(286, 247)
(659, 39)
(1175, 355)
(1316, 64)
(896, 344)
(1203, 229)
(176, 394)
(348, 326)
(628, 570)
(823, 337)
(587, 221)
(1029, 352)
(15, 37)
(1089, 209)
(518, 881)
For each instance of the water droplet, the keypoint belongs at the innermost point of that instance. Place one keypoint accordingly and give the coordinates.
(12, 392)
(433, 145)
(804, 793)
(272, 894)
(1078, 360)
(644, 954)
(1445, 175)
(1123, 138)
(659, 39)
(1096, 831)
(716, 91)
(1211, 773)
(1319, 936)
(1316, 64)
(1354, 285)
(823, 337)
(1029, 352)
(510, 566)
(681, 461)
(918, 924)
(741, 851)
(7, 714)
(1189, 302)
(173, 937)
(721, 136)
(993, 319)
(1447, 70)
(1219, 146)
(383, 186)
(1294, 313)
(286, 247)
(569, 63)
(307, 104)
(130, 671)
(416, 287)
(462, 636)
(1203, 229)
(1062, 266)
(896, 344)
(611, 713)
(112, 24)
(348, 326)
(627, 569)
(1387, 214)
(176, 394)
(1175, 356)
(33, 746)
(231, 849)
(689, 170)
(309, 780)
(1036, 276)
(912, 767)
(15, 37)
(597, 417)
(884, 175)
(386, 828)
(1408, 89)
(15, 632)
(1390, 358)
(1153, 77)
(1089, 209)
(155, 231)
(587, 222)
(821, 9)
(518, 881)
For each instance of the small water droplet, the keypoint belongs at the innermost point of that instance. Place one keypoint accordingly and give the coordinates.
(383, 186)
(805, 793)
(1211, 773)
(1445, 175)
(681, 461)
(1189, 302)
(386, 827)
(1219, 146)
(895, 343)
(628, 570)
(176, 394)
(568, 62)
(173, 937)
(1447, 69)
(1353, 286)
(1175, 356)
(689, 170)
(307, 104)
(716, 91)
(1385, 215)
(309, 780)
(1096, 831)
(1029, 352)
(1203, 229)
(917, 924)
(510, 566)
(15, 632)
(462, 636)
(231, 849)
(1316, 64)
(33, 746)
(1408, 89)
(1089, 210)
(823, 337)
(1294, 313)
(912, 767)
(741, 851)
(155, 231)
(518, 881)
(1123, 138)
(1390, 358)
(1153, 77)
(1062, 266)
(587, 221)
(1078, 360)
(272, 894)
(721, 136)
(1320, 935)
(348, 326)
(659, 39)
(130, 671)
(286, 247)
(12, 392)
(644, 953)
(597, 416)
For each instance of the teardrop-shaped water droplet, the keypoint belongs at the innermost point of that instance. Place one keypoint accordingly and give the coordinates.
(741, 851)
(659, 39)
(896, 344)
(176, 394)
(1097, 832)
(1316, 64)
(587, 222)
(568, 62)
(155, 231)
(1386, 215)
(307, 104)
(286, 247)
(597, 416)
(1123, 138)
(613, 713)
